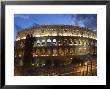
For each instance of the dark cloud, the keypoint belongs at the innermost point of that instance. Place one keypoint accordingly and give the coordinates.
(85, 20)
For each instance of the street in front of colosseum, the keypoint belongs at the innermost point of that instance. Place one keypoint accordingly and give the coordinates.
(69, 70)
(62, 48)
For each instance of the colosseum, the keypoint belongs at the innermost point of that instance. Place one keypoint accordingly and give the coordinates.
(57, 45)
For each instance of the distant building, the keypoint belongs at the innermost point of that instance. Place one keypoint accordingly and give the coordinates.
(56, 45)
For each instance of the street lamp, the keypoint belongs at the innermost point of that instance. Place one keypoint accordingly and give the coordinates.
(91, 65)
(86, 69)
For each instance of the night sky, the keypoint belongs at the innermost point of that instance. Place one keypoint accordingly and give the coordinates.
(22, 21)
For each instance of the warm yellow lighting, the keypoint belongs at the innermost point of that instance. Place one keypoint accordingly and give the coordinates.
(36, 55)
(17, 39)
(38, 41)
(43, 40)
(43, 64)
(23, 38)
(19, 55)
(37, 35)
(85, 63)
(33, 64)
(54, 40)
(48, 40)
(79, 35)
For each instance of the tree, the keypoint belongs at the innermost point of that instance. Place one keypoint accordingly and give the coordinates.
(28, 51)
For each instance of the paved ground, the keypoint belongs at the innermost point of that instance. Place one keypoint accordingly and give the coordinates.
(68, 70)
